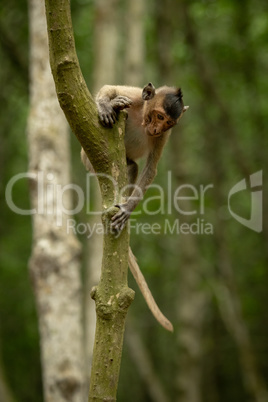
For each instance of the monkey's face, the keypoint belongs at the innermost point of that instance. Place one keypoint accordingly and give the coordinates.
(156, 122)
(162, 109)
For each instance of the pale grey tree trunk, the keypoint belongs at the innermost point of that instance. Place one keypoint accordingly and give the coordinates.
(55, 259)
(106, 38)
(135, 43)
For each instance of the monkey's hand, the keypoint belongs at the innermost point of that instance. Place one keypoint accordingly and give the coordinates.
(120, 218)
(108, 109)
(121, 102)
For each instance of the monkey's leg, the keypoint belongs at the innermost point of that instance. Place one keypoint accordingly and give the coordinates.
(120, 218)
(132, 170)
(86, 161)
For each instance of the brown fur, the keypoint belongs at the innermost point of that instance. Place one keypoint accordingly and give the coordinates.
(147, 130)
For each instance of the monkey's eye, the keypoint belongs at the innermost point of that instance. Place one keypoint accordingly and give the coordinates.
(148, 119)
(169, 122)
(160, 117)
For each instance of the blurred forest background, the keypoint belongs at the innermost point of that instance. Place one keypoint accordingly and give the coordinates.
(213, 287)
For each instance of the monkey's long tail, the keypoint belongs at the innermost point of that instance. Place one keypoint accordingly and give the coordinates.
(136, 272)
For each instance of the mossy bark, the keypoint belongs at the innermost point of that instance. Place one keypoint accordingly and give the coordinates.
(106, 151)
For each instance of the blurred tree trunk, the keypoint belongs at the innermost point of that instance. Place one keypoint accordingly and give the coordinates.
(106, 36)
(55, 259)
(225, 120)
(231, 311)
(191, 311)
(191, 299)
(166, 23)
(134, 75)
(135, 43)
(249, 68)
(224, 284)
(213, 96)
(225, 290)
(143, 362)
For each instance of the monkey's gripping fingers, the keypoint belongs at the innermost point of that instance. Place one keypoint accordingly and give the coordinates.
(107, 114)
(108, 109)
(121, 102)
(120, 218)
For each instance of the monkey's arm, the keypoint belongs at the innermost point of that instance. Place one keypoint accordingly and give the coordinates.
(113, 98)
(120, 218)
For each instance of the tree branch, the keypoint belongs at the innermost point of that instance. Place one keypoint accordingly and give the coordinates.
(106, 151)
(103, 147)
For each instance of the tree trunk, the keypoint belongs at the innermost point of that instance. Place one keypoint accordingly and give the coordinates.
(135, 43)
(106, 35)
(143, 361)
(134, 73)
(226, 291)
(106, 46)
(54, 263)
(191, 300)
(106, 152)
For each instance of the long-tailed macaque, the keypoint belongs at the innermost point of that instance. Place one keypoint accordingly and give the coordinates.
(151, 115)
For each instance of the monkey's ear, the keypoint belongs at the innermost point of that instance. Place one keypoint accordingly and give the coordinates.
(185, 108)
(148, 92)
(179, 93)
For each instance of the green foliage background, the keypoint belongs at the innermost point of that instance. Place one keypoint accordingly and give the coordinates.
(223, 73)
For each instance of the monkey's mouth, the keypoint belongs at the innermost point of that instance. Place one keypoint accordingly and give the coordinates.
(152, 134)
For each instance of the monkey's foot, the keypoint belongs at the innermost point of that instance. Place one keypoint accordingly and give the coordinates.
(120, 218)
